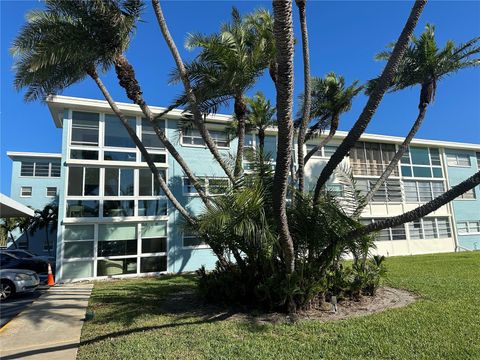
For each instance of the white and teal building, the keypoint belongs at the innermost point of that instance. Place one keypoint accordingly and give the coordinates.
(114, 221)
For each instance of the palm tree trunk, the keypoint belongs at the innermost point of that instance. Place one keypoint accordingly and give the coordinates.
(48, 240)
(158, 178)
(374, 99)
(398, 155)
(240, 114)
(307, 95)
(283, 32)
(197, 116)
(13, 240)
(261, 140)
(420, 211)
(333, 130)
(127, 79)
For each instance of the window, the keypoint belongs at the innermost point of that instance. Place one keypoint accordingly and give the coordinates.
(85, 128)
(117, 240)
(371, 158)
(422, 191)
(477, 154)
(430, 228)
(395, 233)
(118, 182)
(114, 208)
(83, 181)
(83, 154)
(153, 264)
(51, 191)
(115, 133)
(462, 160)
(27, 168)
(149, 138)
(157, 158)
(468, 227)
(78, 241)
(469, 195)
(335, 189)
(211, 186)
(152, 207)
(111, 267)
(154, 237)
(119, 156)
(193, 137)
(326, 151)
(421, 162)
(191, 239)
(147, 185)
(82, 208)
(40, 168)
(390, 191)
(26, 191)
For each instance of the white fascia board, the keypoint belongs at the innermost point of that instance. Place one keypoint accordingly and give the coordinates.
(58, 103)
(11, 208)
(14, 154)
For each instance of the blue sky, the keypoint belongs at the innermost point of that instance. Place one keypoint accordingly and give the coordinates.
(344, 36)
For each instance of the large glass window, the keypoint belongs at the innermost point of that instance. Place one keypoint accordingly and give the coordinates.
(118, 182)
(83, 154)
(119, 156)
(111, 267)
(115, 132)
(114, 208)
(157, 207)
(149, 138)
(154, 237)
(153, 264)
(117, 239)
(82, 208)
(430, 228)
(369, 158)
(85, 128)
(422, 191)
(468, 227)
(77, 269)
(27, 168)
(390, 191)
(83, 181)
(147, 185)
(395, 233)
(421, 162)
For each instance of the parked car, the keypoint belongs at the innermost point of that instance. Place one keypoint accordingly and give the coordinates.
(26, 254)
(10, 261)
(14, 281)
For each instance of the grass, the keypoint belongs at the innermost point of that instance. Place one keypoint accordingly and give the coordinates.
(131, 323)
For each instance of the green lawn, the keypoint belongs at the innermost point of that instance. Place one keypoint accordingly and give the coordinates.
(134, 321)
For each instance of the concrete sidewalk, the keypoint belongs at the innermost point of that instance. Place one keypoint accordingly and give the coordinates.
(50, 328)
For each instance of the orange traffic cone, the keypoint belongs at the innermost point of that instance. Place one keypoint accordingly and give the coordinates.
(50, 280)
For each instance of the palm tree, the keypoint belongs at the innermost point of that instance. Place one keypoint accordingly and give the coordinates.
(24, 225)
(301, 4)
(374, 99)
(49, 58)
(7, 226)
(284, 42)
(228, 65)
(260, 116)
(424, 64)
(330, 99)
(45, 219)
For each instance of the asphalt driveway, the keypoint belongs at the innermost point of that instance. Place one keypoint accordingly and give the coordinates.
(17, 303)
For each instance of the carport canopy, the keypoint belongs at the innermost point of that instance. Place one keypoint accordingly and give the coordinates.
(10, 208)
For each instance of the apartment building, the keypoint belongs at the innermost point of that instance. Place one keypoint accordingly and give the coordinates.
(115, 221)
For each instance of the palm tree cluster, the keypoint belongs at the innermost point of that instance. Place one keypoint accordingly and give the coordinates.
(279, 243)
